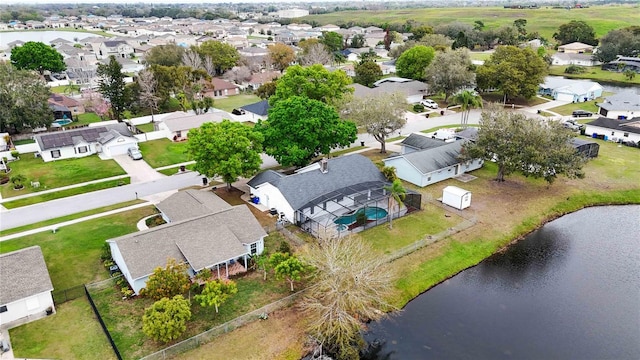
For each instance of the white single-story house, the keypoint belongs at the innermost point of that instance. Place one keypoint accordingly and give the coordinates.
(425, 161)
(614, 130)
(574, 59)
(329, 194)
(413, 90)
(569, 90)
(624, 105)
(25, 287)
(203, 232)
(176, 126)
(456, 197)
(107, 141)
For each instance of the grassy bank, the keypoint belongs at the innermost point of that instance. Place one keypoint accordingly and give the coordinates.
(595, 73)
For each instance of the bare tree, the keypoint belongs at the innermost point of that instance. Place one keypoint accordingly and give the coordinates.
(209, 66)
(316, 54)
(148, 85)
(351, 285)
(238, 74)
(192, 59)
(254, 63)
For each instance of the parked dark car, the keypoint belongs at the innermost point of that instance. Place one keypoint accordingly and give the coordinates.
(581, 113)
(237, 111)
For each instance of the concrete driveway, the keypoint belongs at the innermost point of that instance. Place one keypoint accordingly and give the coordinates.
(138, 170)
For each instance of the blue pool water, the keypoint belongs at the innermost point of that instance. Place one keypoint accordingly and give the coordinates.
(63, 122)
(372, 212)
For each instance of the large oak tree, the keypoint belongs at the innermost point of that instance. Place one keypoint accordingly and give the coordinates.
(299, 129)
(37, 56)
(449, 72)
(314, 82)
(413, 62)
(23, 100)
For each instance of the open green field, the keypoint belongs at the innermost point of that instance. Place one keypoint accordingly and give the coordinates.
(164, 152)
(71, 333)
(544, 20)
(58, 173)
(235, 101)
(67, 29)
(594, 73)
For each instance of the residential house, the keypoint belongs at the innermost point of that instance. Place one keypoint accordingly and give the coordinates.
(414, 90)
(329, 27)
(57, 42)
(425, 161)
(569, 90)
(575, 48)
(25, 287)
(203, 231)
(574, 59)
(623, 63)
(256, 111)
(328, 194)
(118, 48)
(60, 112)
(624, 105)
(222, 88)
(107, 141)
(614, 130)
(177, 125)
(75, 106)
(261, 78)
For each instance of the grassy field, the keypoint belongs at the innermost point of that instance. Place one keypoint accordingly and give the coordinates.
(569, 108)
(148, 127)
(234, 102)
(164, 152)
(594, 73)
(58, 173)
(86, 118)
(64, 193)
(544, 20)
(72, 254)
(71, 333)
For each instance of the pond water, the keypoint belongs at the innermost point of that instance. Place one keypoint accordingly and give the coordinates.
(570, 290)
(41, 36)
(609, 86)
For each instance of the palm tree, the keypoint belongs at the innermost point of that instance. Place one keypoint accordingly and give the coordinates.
(397, 193)
(467, 100)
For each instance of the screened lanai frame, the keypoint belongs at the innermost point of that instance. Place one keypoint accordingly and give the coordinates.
(317, 216)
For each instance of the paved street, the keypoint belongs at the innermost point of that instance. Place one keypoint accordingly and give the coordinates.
(74, 204)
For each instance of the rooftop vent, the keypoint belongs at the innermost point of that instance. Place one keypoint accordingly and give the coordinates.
(324, 166)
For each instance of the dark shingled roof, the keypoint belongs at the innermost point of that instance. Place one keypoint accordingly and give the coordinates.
(631, 125)
(260, 108)
(310, 183)
(202, 241)
(23, 273)
(89, 134)
(421, 142)
(191, 203)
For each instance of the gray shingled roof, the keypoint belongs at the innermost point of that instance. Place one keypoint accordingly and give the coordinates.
(344, 171)
(268, 176)
(23, 273)
(260, 108)
(626, 101)
(433, 159)
(205, 240)
(421, 142)
(188, 122)
(631, 125)
(89, 134)
(188, 204)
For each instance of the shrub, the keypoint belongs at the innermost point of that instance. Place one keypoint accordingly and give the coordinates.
(575, 69)
(418, 108)
(284, 247)
(15, 154)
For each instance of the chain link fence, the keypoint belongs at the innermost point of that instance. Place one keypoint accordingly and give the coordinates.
(62, 296)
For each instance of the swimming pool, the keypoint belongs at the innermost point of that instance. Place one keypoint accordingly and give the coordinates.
(63, 122)
(372, 212)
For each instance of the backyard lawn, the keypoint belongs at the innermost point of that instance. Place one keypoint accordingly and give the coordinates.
(71, 333)
(164, 152)
(148, 127)
(86, 118)
(58, 173)
(235, 101)
(594, 73)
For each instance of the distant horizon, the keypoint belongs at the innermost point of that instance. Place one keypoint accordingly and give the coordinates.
(57, 2)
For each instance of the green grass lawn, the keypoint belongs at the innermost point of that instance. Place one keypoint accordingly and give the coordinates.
(164, 152)
(594, 73)
(569, 108)
(235, 101)
(175, 170)
(479, 55)
(148, 127)
(23, 141)
(544, 20)
(59, 173)
(71, 333)
(64, 193)
(73, 253)
(86, 118)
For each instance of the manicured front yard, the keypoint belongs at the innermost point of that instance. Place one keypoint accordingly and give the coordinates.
(164, 152)
(569, 108)
(71, 333)
(235, 101)
(58, 173)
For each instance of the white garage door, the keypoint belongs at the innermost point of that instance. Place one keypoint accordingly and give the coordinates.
(565, 97)
(118, 149)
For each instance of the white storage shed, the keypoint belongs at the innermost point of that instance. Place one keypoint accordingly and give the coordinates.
(456, 197)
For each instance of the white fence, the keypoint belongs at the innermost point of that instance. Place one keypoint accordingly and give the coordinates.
(154, 135)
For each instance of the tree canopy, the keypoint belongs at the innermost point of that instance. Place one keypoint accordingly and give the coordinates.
(332, 40)
(367, 73)
(380, 114)
(227, 149)
(528, 146)
(576, 30)
(223, 56)
(166, 319)
(168, 281)
(623, 42)
(449, 72)
(287, 267)
(216, 292)
(314, 82)
(467, 100)
(281, 55)
(23, 100)
(514, 71)
(299, 129)
(37, 56)
(413, 62)
(112, 86)
(165, 55)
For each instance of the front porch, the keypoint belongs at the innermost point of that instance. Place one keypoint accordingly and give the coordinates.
(222, 271)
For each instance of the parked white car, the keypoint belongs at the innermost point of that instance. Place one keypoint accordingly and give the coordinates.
(429, 104)
(134, 153)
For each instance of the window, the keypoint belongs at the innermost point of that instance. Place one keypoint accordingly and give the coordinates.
(3, 308)
(55, 154)
(254, 248)
(626, 135)
(82, 149)
(613, 133)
